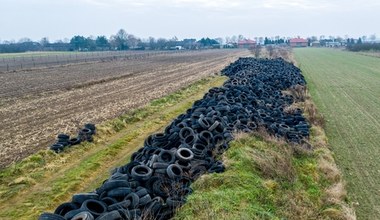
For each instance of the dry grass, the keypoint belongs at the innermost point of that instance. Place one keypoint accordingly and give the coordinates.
(274, 51)
(276, 164)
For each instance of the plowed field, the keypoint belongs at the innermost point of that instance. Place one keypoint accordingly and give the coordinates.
(36, 105)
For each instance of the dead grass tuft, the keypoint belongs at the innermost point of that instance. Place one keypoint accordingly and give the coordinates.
(327, 166)
(275, 164)
(314, 117)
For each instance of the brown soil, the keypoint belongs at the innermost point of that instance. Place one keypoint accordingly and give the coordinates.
(36, 105)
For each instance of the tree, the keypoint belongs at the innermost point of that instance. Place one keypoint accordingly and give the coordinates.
(219, 40)
(161, 43)
(44, 41)
(132, 41)
(78, 42)
(24, 40)
(234, 39)
(372, 37)
(207, 42)
(120, 40)
(266, 41)
(102, 42)
(152, 43)
(359, 41)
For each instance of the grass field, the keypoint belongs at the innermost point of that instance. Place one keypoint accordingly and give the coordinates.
(346, 88)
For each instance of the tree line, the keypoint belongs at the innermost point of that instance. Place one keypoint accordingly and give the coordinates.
(119, 41)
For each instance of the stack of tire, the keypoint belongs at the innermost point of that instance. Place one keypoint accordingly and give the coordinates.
(64, 140)
(157, 180)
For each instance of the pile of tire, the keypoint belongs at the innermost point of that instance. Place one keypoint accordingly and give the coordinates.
(63, 140)
(157, 180)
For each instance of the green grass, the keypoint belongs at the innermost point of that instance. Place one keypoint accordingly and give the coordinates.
(263, 180)
(346, 88)
(45, 179)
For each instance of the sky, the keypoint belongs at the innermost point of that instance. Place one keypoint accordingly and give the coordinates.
(62, 19)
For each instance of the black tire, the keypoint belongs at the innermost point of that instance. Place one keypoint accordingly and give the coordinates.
(109, 201)
(119, 176)
(162, 188)
(141, 173)
(65, 208)
(174, 203)
(135, 214)
(213, 126)
(174, 171)
(113, 215)
(204, 123)
(184, 154)
(50, 216)
(134, 199)
(159, 165)
(185, 132)
(206, 136)
(63, 136)
(185, 165)
(94, 207)
(149, 184)
(154, 206)
(83, 216)
(58, 148)
(166, 156)
(92, 127)
(141, 192)
(119, 192)
(85, 131)
(112, 185)
(74, 141)
(125, 214)
(120, 205)
(81, 197)
(72, 213)
(145, 200)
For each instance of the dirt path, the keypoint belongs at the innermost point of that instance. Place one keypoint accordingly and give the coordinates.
(35, 105)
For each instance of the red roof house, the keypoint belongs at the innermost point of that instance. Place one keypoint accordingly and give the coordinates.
(298, 42)
(247, 43)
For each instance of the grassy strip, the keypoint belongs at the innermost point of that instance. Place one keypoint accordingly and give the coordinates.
(345, 87)
(267, 178)
(44, 180)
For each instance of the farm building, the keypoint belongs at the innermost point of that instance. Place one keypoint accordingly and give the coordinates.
(315, 44)
(298, 42)
(246, 43)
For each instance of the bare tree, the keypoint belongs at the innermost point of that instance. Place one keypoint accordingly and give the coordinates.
(119, 41)
(219, 39)
(44, 41)
(372, 37)
(132, 41)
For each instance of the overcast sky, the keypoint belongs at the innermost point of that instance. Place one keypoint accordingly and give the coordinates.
(187, 18)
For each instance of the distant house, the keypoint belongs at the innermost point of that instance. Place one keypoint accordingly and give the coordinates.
(315, 44)
(247, 43)
(333, 44)
(298, 42)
